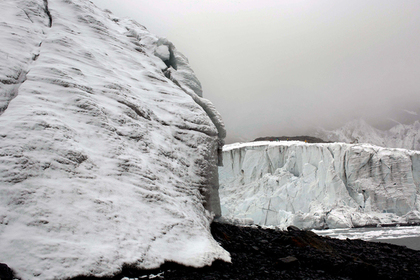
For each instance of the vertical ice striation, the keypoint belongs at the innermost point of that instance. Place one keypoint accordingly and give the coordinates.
(320, 185)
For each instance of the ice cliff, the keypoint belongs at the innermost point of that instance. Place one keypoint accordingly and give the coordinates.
(406, 136)
(331, 185)
(108, 151)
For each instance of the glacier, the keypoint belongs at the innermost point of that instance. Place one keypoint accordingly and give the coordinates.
(328, 185)
(405, 136)
(109, 151)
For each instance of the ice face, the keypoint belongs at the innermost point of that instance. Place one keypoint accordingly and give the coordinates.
(104, 161)
(319, 185)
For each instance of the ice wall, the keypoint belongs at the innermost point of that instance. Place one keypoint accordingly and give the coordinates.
(105, 160)
(319, 185)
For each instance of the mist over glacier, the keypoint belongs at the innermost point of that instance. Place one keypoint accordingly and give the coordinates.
(285, 68)
(405, 136)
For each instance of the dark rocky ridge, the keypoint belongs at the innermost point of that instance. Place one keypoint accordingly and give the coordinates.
(307, 139)
(294, 254)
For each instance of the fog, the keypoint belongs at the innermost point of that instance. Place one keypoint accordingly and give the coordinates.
(275, 68)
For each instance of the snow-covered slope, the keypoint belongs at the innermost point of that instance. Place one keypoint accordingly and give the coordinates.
(108, 152)
(319, 185)
(358, 131)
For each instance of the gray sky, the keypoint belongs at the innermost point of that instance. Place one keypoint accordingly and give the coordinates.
(285, 67)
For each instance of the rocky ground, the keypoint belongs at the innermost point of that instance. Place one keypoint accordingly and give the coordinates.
(294, 254)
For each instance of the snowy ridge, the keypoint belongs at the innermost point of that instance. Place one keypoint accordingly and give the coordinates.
(333, 185)
(104, 160)
(358, 131)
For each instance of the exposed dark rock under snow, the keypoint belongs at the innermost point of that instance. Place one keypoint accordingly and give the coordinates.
(294, 254)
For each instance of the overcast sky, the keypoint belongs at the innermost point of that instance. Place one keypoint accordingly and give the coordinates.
(285, 67)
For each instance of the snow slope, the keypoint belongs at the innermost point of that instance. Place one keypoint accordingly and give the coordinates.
(358, 131)
(108, 151)
(331, 185)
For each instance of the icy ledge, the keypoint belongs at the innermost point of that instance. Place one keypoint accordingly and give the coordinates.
(106, 160)
(333, 185)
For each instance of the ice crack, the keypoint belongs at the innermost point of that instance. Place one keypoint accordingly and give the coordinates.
(47, 11)
(12, 83)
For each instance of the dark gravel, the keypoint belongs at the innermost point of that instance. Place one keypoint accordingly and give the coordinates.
(294, 254)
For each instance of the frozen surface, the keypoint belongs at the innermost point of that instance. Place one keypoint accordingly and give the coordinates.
(372, 233)
(104, 160)
(408, 236)
(358, 131)
(332, 185)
